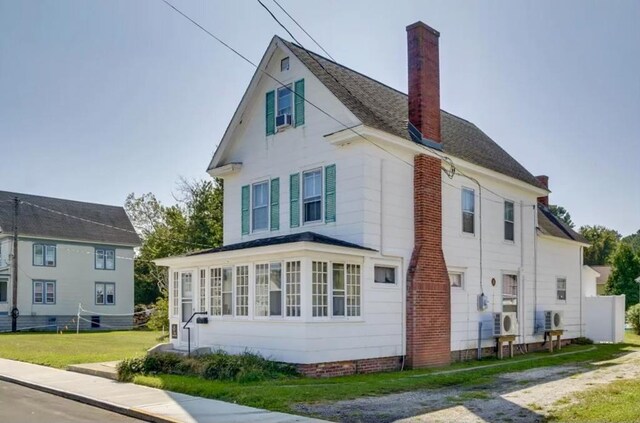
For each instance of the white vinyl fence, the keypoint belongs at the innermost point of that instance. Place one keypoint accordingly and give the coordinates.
(604, 318)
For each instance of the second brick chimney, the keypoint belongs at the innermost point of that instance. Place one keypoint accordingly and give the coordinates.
(428, 289)
(544, 180)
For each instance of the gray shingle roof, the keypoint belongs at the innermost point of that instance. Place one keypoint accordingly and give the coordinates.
(38, 222)
(382, 107)
(552, 226)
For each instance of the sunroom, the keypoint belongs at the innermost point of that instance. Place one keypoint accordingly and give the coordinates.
(300, 298)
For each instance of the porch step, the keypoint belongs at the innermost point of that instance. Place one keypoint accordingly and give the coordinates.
(106, 370)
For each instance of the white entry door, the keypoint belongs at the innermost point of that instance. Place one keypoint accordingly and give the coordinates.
(187, 309)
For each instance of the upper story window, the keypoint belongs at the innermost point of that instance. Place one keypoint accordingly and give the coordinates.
(561, 289)
(260, 206)
(468, 211)
(284, 64)
(284, 107)
(105, 293)
(508, 221)
(44, 292)
(44, 255)
(105, 259)
(312, 195)
(285, 100)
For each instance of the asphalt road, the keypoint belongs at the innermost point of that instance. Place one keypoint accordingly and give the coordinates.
(23, 405)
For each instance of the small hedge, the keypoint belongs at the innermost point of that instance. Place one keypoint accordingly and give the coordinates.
(633, 317)
(246, 367)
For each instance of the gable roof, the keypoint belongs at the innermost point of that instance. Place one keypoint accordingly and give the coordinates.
(550, 225)
(66, 219)
(384, 108)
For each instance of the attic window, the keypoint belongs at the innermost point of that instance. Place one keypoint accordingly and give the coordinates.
(284, 64)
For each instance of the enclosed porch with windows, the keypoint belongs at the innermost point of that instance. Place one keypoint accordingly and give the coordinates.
(302, 298)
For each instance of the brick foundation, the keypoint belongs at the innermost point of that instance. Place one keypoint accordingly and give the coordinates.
(350, 367)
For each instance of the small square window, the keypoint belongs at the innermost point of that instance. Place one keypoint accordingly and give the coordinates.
(384, 274)
(456, 279)
(284, 64)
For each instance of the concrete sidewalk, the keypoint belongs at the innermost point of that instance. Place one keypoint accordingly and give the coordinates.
(136, 401)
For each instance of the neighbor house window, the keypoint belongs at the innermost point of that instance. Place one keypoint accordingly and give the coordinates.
(105, 259)
(3, 291)
(292, 287)
(215, 294)
(242, 290)
(44, 255)
(468, 211)
(227, 291)
(508, 221)
(561, 289)
(260, 206)
(319, 289)
(384, 274)
(456, 279)
(284, 64)
(44, 292)
(312, 195)
(510, 293)
(105, 293)
(285, 100)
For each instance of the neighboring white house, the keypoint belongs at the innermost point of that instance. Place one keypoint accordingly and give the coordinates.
(69, 252)
(358, 240)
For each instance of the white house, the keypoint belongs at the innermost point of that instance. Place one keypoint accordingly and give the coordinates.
(69, 253)
(355, 241)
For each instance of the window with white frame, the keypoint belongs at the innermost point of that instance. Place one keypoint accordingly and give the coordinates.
(105, 293)
(44, 292)
(338, 290)
(242, 290)
(268, 293)
(561, 289)
(202, 299)
(509, 227)
(284, 64)
(186, 280)
(275, 289)
(319, 289)
(262, 290)
(353, 290)
(174, 305)
(215, 294)
(227, 291)
(384, 274)
(3, 290)
(260, 206)
(510, 293)
(312, 195)
(285, 100)
(468, 211)
(105, 259)
(292, 286)
(456, 279)
(44, 255)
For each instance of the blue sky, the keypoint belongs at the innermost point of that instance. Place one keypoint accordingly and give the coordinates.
(102, 98)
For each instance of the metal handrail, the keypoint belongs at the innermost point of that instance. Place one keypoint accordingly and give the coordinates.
(189, 330)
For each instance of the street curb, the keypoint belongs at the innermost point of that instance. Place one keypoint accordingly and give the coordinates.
(131, 412)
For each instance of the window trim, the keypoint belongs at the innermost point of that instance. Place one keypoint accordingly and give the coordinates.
(104, 288)
(44, 283)
(558, 278)
(464, 190)
(505, 221)
(104, 258)
(319, 170)
(267, 206)
(44, 254)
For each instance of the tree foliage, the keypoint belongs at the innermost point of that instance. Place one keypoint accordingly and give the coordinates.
(633, 241)
(194, 223)
(562, 214)
(603, 242)
(625, 269)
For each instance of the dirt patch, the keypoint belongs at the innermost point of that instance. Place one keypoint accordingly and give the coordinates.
(518, 397)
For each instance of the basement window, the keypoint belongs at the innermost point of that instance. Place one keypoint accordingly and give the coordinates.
(384, 274)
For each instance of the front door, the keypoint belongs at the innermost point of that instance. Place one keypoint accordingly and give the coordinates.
(187, 309)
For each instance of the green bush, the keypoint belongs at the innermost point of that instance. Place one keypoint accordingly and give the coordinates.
(159, 319)
(583, 341)
(633, 317)
(246, 367)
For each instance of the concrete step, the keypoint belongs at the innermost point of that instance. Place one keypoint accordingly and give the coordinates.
(106, 370)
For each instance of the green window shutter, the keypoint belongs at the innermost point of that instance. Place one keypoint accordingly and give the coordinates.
(330, 193)
(270, 112)
(294, 200)
(299, 102)
(245, 210)
(275, 204)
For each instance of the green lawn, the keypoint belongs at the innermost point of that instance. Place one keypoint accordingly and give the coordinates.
(60, 350)
(280, 395)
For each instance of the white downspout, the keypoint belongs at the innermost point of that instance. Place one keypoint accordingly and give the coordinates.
(535, 266)
(522, 278)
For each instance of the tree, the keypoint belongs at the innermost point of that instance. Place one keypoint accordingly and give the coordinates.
(625, 269)
(562, 214)
(633, 241)
(603, 242)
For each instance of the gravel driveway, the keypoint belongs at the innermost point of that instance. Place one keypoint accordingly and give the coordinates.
(519, 397)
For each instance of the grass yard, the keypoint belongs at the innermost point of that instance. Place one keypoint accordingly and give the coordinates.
(60, 350)
(281, 394)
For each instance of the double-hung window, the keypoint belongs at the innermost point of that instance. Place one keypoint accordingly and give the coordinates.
(508, 221)
(268, 294)
(44, 292)
(260, 206)
(561, 289)
(468, 211)
(105, 293)
(285, 100)
(105, 258)
(44, 255)
(312, 195)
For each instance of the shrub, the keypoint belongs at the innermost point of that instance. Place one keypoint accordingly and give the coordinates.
(633, 317)
(129, 367)
(159, 319)
(583, 341)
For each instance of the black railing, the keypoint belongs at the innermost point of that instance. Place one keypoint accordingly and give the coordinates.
(189, 330)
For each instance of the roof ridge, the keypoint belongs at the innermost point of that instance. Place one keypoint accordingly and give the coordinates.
(18, 194)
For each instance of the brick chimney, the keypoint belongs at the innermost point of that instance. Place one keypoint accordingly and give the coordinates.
(428, 289)
(544, 180)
